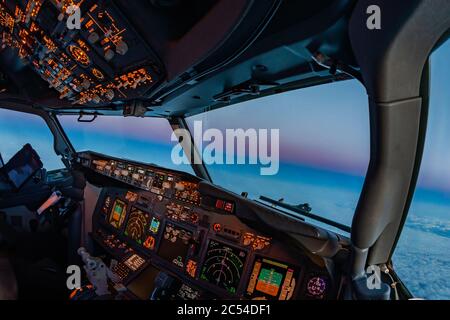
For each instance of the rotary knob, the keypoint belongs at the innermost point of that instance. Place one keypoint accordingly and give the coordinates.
(122, 48)
(86, 84)
(109, 55)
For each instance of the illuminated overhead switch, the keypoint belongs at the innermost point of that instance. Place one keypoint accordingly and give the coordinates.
(96, 99)
(74, 87)
(109, 94)
(220, 204)
(64, 94)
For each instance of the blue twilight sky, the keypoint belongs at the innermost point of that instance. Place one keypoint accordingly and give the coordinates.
(324, 154)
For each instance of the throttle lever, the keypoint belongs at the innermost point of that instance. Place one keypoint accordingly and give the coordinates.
(50, 202)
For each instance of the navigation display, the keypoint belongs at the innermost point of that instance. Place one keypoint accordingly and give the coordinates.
(175, 245)
(223, 266)
(118, 213)
(271, 280)
(137, 225)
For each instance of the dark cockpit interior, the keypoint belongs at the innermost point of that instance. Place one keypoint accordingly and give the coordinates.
(138, 230)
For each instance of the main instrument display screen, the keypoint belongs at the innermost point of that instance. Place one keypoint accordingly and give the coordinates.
(271, 280)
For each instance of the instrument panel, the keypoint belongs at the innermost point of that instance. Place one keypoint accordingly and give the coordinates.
(100, 61)
(162, 236)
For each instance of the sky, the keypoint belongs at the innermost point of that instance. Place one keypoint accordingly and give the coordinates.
(147, 140)
(306, 120)
(324, 155)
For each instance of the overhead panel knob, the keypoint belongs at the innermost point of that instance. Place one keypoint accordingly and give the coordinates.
(86, 84)
(122, 48)
(109, 55)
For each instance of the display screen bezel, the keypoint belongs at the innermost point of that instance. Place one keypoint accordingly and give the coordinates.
(162, 241)
(297, 271)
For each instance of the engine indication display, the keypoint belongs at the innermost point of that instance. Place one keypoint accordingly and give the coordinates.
(271, 280)
(223, 266)
(137, 225)
(154, 225)
(118, 213)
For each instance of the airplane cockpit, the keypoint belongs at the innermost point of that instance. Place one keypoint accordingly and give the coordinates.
(163, 234)
(145, 204)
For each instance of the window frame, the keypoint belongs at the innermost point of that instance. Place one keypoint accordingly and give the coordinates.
(425, 91)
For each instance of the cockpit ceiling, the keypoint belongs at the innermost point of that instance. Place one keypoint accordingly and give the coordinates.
(150, 54)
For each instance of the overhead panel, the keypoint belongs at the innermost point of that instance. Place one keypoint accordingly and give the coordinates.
(94, 60)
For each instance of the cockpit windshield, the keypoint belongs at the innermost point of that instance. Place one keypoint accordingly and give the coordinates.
(307, 148)
(145, 140)
(321, 157)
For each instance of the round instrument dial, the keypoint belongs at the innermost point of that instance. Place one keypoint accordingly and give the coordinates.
(98, 74)
(317, 286)
(80, 55)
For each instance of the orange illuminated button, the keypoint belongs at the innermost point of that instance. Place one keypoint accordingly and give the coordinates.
(150, 243)
(217, 227)
(191, 268)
